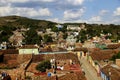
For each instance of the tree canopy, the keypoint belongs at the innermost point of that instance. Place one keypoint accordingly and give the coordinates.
(31, 37)
(117, 56)
(43, 66)
(47, 38)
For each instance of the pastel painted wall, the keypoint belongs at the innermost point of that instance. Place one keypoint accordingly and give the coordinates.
(96, 66)
(28, 51)
(80, 54)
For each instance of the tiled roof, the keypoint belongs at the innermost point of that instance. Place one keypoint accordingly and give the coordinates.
(9, 51)
(48, 78)
(9, 64)
(72, 76)
(8, 57)
(38, 58)
(78, 45)
(32, 68)
(102, 54)
(63, 56)
(9, 60)
(117, 50)
(115, 73)
(28, 47)
(46, 49)
(68, 76)
(1, 53)
(81, 49)
(113, 46)
(62, 49)
(12, 63)
(75, 68)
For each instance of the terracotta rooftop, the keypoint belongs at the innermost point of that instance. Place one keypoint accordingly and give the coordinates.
(28, 47)
(115, 73)
(78, 45)
(9, 60)
(62, 49)
(60, 56)
(9, 64)
(113, 46)
(117, 50)
(81, 49)
(75, 68)
(32, 68)
(38, 58)
(46, 49)
(72, 76)
(13, 60)
(63, 56)
(9, 51)
(48, 78)
(1, 53)
(102, 54)
(62, 41)
(68, 76)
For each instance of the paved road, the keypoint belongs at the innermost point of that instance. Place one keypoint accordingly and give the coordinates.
(90, 72)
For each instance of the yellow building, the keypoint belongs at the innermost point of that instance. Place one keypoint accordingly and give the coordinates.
(28, 49)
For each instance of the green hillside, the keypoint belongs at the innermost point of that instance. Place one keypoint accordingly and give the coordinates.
(18, 22)
(8, 24)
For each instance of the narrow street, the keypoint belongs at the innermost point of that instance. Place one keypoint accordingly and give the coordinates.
(90, 72)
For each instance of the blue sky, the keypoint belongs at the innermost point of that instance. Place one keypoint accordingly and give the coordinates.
(89, 11)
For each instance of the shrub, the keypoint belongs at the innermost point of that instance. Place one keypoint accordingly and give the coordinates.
(43, 66)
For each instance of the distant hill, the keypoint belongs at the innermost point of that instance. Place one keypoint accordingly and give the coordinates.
(8, 24)
(19, 22)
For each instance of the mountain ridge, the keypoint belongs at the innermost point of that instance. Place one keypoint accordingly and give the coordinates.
(19, 21)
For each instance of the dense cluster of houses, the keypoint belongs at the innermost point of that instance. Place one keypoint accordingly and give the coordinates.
(21, 62)
(100, 59)
(25, 58)
(20, 66)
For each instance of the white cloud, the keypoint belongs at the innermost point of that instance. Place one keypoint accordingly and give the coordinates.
(23, 1)
(4, 3)
(91, 0)
(73, 14)
(76, 21)
(54, 20)
(117, 12)
(116, 21)
(44, 12)
(95, 19)
(103, 12)
(13, 1)
(29, 12)
(47, 0)
(75, 2)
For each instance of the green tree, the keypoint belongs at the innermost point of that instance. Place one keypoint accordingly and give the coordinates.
(114, 57)
(5, 35)
(31, 37)
(65, 35)
(43, 66)
(63, 29)
(82, 36)
(47, 38)
(55, 29)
